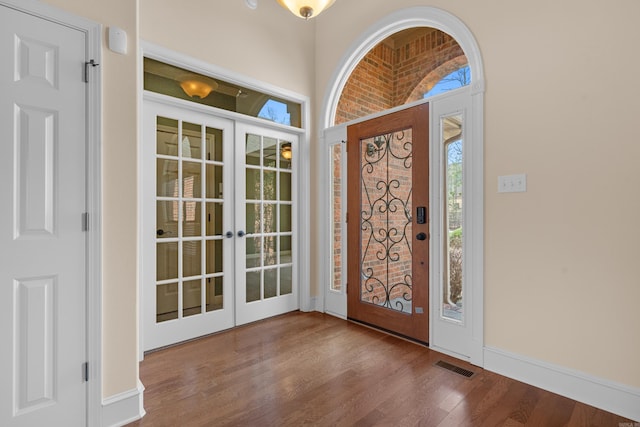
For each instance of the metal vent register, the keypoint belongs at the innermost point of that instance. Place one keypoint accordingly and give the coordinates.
(453, 368)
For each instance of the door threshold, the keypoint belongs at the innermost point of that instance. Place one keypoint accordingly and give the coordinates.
(388, 332)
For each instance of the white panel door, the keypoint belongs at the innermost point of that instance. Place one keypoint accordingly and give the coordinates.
(188, 228)
(42, 187)
(266, 212)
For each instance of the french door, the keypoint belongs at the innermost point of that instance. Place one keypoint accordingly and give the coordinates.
(388, 222)
(219, 223)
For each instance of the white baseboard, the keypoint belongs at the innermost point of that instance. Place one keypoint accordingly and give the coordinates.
(311, 305)
(617, 398)
(123, 408)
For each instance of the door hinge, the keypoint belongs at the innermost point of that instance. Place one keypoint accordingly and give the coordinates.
(85, 221)
(346, 218)
(85, 371)
(88, 64)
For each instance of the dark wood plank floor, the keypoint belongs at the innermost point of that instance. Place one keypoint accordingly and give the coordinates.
(313, 369)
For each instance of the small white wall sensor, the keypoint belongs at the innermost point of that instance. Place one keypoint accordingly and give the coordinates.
(117, 40)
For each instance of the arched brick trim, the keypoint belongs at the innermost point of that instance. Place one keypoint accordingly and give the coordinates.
(434, 77)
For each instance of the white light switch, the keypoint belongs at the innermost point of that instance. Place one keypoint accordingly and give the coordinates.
(117, 40)
(512, 183)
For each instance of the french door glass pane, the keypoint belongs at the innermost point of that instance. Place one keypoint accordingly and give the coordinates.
(214, 256)
(286, 155)
(385, 221)
(270, 250)
(192, 180)
(253, 286)
(285, 186)
(191, 297)
(191, 141)
(253, 218)
(166, 261)
(166, 302)
(453, 286)
(285, 249)
(269, 151)
(285, 218)
(191, 219)
(270, 190)
(214, 293)
(253, 184)
(270, 218)
(214, 181)
(271, 283)
(167, 136)
(253, 149)
(192, 258)
(167, 219)
(213, 143)
(214, 219)
(254, 245)
(269, 223)
(285, 280)
(167, 182)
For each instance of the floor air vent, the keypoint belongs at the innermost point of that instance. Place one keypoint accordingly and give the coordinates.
(453, 368)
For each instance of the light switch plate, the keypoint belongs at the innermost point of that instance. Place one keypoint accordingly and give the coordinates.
(512, 183)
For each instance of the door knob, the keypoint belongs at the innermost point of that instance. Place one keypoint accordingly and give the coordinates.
(160, 232)
(229, 234)
(241, 233)
(421, 236)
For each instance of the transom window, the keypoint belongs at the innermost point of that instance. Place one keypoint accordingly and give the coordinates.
(191, 86)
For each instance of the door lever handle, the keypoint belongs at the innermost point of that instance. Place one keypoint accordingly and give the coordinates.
(241, 233)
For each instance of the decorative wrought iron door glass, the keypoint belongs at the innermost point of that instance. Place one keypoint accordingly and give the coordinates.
(385, 220)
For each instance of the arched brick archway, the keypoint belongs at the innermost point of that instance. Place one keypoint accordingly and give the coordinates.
(398, 70)
(434, 77)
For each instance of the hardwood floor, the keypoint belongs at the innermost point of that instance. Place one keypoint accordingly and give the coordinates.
(314, 369)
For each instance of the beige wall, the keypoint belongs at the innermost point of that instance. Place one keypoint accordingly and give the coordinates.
(265, 44)
(561, 280)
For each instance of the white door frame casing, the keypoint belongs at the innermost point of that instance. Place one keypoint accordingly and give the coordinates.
(93, 33)
(423, 16)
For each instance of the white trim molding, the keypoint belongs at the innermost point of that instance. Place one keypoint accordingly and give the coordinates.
(420, 16)
(610, 396)
(123, 408)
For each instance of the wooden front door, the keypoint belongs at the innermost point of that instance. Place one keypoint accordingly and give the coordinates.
(388, 222)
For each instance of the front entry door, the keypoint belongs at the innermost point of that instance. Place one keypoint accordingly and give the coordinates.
(219, 228)
(388, 230)
(42, 242)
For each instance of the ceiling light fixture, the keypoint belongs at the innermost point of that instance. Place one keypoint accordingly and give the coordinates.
(197, 88)
(286, 151)
(306, 8)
